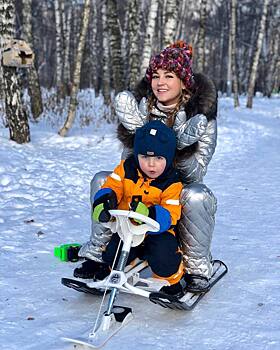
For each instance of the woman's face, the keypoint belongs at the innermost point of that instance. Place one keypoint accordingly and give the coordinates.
(167, 87)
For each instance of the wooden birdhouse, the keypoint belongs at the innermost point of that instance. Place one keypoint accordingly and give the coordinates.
(17, 53)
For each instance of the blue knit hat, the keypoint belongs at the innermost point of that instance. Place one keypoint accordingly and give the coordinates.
(155, 139)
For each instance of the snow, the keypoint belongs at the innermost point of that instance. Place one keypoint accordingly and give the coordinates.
(44, 202)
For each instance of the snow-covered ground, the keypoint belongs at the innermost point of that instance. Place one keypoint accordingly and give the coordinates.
(44, 201)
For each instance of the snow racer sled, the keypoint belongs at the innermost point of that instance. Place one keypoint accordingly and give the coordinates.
(129, 279)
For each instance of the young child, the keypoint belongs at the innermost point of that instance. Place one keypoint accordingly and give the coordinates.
(148, 184)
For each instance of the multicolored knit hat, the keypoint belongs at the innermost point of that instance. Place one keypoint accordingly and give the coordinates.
(175, 58)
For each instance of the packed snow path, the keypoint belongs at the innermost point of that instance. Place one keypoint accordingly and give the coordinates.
(44, 201)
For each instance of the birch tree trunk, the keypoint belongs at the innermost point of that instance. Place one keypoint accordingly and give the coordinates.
(125, 44)
(2, 85)
(93, 47)
(229, 65)
(77, 71)
(16, 116)
(67, 36)
(253, 74)
(133, 53)
(222, 55)
(200, 60)
(59, 50)
(106, 58)
(2, 82)
(34, 89)
(276, 84)
(273, 50)
(180, 30)
(233, 53)
(171, 22)
(115, 46)
(150, 31)
(248, 50)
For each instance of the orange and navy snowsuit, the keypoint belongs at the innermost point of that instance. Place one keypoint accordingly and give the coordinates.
(161, 196)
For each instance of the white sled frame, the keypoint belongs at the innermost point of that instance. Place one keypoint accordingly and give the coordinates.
(132, 235)
(125, 279)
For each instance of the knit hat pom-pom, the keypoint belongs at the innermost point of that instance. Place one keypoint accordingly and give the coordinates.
(181, 44)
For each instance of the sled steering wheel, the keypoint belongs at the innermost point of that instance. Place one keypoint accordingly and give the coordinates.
(123, 225)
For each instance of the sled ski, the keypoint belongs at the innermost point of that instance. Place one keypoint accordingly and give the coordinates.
(110, 325)
(189, 300)
(80, 286)
(132, 272)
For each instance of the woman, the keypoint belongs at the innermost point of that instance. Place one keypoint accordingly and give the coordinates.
(186, 102)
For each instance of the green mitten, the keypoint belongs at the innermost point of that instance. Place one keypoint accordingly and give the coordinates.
(140, 208)
(100, 214)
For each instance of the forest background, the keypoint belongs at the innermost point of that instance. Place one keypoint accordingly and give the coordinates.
(105, 45)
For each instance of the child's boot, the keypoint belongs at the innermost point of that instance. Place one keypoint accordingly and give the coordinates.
(91, 269)
(176, 290)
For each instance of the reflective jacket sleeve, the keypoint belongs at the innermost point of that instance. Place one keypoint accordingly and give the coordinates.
(170, 200)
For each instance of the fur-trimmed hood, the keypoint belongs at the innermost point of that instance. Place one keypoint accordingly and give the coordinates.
(203, 101)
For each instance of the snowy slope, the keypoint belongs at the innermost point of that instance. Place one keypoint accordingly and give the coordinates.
(44, 201)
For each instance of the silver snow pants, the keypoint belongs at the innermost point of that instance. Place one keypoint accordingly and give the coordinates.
(195, 227)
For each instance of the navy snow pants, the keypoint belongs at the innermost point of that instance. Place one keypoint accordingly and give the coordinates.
(160, 250)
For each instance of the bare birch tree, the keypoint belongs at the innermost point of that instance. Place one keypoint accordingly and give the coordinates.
(67, 36)
(59, 49)
(150, 30)
(253, 74)
(16, 116)
(34, 89)
(117, 65)
(273, 50)
(93, 47)
(133, 53)
(180, 30)
(233, 52)
(77, 71)
(171, 22)
(2, 85)
(106, 57)
(276, 83)
(200, 46)
(229, 56)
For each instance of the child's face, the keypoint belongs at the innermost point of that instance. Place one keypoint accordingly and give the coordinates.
(167, 87)
(153, 167)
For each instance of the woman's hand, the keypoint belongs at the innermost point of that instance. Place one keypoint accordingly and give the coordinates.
(190, 131)
(128, 112)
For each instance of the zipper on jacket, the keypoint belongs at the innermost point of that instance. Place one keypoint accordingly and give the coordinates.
(145, 179)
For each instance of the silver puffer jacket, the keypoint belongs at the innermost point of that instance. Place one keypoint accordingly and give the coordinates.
(196, 131)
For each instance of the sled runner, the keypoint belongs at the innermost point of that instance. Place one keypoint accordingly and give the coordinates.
(187, 302)
(128, 279)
